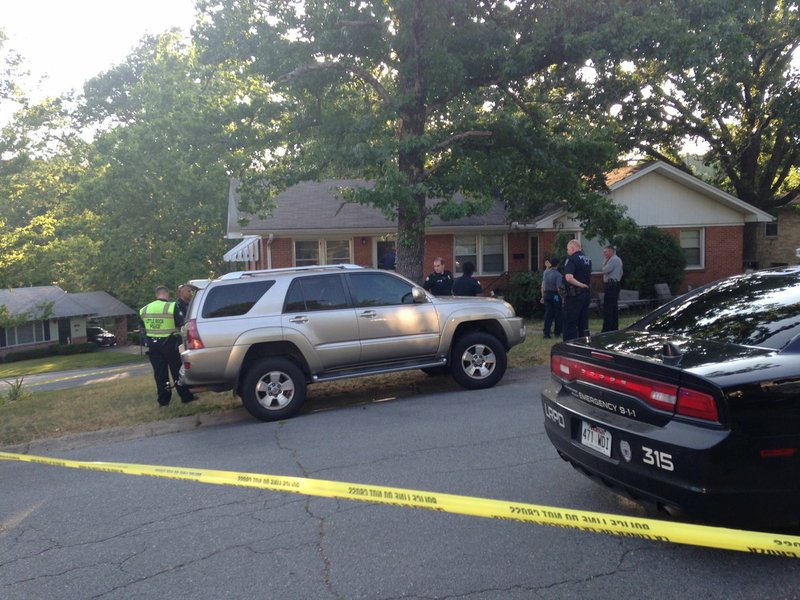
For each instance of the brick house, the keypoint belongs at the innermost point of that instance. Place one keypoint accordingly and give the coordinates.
(776, 243)
(311, 224)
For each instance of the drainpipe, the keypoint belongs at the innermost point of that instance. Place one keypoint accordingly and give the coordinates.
(270, 239)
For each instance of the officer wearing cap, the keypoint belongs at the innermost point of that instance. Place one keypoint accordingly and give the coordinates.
(162, 319)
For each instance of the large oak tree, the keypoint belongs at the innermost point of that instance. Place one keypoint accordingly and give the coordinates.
(425, 98)
(724, 74)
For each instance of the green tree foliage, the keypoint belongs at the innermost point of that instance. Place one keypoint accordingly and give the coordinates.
(524, 294)
(720, 73)
(651, 256)
(10, 71)
(426, 99)
(158, 183)
(43, 239)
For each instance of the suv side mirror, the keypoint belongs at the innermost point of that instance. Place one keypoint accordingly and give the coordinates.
(419, 295)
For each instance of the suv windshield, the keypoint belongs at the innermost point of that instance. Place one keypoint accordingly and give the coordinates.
(760, 310)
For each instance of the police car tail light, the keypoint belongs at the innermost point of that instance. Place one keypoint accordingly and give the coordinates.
(696, 404)
(193, 340)
(662, 396)
(658, 395)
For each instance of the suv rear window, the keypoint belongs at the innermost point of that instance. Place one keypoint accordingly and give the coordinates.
(234, 300)
(324, 292)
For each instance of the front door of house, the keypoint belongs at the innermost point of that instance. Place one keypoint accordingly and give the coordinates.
(534, 254)
(63, 331)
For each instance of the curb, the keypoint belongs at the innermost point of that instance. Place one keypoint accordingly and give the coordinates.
(211, 419)
(122, 434)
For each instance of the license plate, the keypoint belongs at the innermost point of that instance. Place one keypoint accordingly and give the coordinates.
(596, 438)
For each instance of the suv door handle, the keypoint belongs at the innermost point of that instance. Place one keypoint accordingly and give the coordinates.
(368, 314)
(300, 319)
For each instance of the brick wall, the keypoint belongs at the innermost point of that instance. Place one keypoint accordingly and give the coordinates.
(436, 246)
(281, 254)
(724, 255)
(518, 243)
(781, 249)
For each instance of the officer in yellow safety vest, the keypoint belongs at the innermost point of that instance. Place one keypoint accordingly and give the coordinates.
(161, 321)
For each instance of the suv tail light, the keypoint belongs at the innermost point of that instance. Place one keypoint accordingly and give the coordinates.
(659, 395)
(193, 340)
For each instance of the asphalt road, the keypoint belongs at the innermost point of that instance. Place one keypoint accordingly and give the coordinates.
(69, 533)
(78, 377)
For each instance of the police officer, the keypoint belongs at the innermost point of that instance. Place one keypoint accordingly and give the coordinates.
(577, 277)
(612, 276)
(552, 281)
(440, 282)
(161, 319)
(184, 297)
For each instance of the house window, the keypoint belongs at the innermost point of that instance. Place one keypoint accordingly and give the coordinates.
(692, 245)
(337, 252)
(486, 252)
(29, 333)
(306, 252)
(333, 252)
(771, 229)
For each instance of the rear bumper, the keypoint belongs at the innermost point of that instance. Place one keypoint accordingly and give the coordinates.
(698, 471)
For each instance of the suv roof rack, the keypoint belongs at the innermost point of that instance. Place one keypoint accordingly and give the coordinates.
(241, 274)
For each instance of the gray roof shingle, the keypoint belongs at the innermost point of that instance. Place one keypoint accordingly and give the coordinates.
(317, 206)
(33, 301)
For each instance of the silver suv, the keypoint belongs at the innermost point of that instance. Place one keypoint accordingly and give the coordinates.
(267, 334)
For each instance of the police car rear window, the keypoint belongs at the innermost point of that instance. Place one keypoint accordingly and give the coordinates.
(234, 300)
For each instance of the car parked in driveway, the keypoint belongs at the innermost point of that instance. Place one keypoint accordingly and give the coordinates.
(696, 406)
(267, 334)
(100, 336)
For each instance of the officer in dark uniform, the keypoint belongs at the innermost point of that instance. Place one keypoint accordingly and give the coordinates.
(440, 282)
(577, 277)
(161, 319)
(185, 291)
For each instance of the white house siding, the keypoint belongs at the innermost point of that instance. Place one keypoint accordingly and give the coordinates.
(656, 200)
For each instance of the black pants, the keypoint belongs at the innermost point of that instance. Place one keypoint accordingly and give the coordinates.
(611, 306)
(165, 360)
(576, 315)
(552, 313)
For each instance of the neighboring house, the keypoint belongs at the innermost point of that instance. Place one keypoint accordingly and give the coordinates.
(777, 243)
(54, 316)
(311, 224)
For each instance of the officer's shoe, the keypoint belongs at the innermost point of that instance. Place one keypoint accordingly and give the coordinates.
(187, 400)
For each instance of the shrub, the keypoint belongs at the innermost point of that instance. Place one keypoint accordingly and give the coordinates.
(64, 350)
(45, 351)
(29, 354)
(524, 293)
(651, 256)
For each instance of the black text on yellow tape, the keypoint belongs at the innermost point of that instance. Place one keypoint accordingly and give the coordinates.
(648, 529)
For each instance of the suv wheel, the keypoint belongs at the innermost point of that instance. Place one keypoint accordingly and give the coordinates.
(479, 360)
(273, 389)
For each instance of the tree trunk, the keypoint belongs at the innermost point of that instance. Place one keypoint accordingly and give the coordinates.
(412, 116)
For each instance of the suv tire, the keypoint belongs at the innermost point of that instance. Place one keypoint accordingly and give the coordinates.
(273, 389)
(478, 360)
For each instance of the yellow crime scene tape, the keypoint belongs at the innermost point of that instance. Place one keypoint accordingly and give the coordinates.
(635, 527)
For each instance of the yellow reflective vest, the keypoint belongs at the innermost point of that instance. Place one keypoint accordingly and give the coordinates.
(159, 319)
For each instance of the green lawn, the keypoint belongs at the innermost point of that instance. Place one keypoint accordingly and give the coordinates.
(27, 416)
(101, 358)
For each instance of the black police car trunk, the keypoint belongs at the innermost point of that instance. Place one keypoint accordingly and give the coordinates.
(691, 425)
